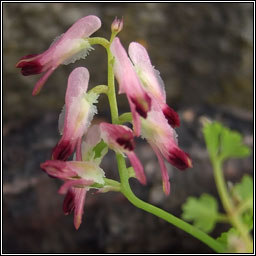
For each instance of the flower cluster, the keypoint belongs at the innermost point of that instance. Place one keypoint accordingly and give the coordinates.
(152, 118)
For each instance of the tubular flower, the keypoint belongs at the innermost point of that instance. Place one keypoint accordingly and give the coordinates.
(151, 80)
(68, 48)
(162, 138)
(76, 115)
(78, 178)
(120, 139)
(129, 83)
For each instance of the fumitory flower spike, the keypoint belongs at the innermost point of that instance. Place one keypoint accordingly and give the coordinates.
(152, 119)
(68, 48)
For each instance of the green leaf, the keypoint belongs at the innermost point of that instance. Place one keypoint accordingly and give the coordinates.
(99, 149)
(202, 211)
(212, 133)
(223, 143)
(244, 190)
(247, 218)
(232, 145)
(224, 238)
(242, 194)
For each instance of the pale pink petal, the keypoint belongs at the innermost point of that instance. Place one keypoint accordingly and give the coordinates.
(165, 176)
(152, 81)
(79, 199)
(148, 75)
(77, 84)
(138, 168)
(74, 201)
(78, 114)
(72, 183)
(83, 28)
(91, 139)
(128, 80)
(42, 81)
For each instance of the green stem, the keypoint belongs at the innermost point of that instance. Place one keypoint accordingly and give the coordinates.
(126, 190)
(222, 218)
(124, 174)
(111, 89)
(112, 182)
(125, 118)
(99, 89)
(229, 206)
(98, 40)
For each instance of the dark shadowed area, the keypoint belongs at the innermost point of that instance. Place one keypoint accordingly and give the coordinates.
(204, 52)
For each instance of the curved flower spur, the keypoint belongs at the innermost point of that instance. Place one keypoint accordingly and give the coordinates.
(66, 49)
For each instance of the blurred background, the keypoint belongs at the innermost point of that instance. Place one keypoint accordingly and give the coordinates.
(204, 52)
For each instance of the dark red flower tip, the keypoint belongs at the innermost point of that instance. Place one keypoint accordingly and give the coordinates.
(142, 106)
(172, 116)
(29, 56)
(68, 203)
(63, 150)
(29, 65)
(127, 143)
(180, 159)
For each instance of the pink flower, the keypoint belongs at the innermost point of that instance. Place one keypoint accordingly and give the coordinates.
(120, 139)
(76, 115)
(129, 83)
(163, 140)
(151, 80)
(78, 177)
(68, 48)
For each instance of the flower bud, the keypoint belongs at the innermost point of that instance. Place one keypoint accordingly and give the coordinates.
(117, 25)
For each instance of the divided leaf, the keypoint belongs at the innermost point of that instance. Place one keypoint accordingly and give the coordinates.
(232, 145)
(202, 211)
(223, 143)
(227, 238)
(244, 190)
(212, 133)
(243, 193)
